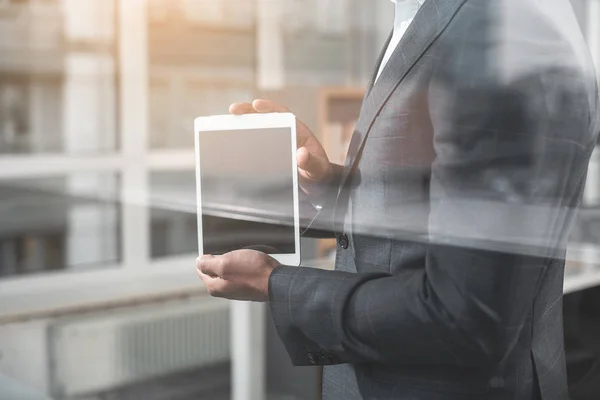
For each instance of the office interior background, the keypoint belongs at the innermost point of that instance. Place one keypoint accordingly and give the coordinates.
(98, 293)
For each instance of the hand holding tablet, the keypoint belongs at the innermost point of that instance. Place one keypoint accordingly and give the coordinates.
(313, 165)
(234, 152)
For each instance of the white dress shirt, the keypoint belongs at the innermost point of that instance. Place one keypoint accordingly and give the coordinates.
(405, 13)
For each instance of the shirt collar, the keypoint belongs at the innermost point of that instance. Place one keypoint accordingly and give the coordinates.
(406, 1)
(402, 1)
(405, 11)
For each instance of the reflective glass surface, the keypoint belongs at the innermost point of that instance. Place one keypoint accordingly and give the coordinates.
(66, 223)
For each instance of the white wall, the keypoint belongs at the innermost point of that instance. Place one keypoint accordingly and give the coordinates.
(24, 354)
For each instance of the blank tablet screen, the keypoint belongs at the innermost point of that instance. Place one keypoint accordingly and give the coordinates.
(250, 173)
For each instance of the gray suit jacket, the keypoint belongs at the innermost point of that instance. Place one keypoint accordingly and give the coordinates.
(452, 213)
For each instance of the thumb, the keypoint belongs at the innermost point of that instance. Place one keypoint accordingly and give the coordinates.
(209, 265)
(314, 167)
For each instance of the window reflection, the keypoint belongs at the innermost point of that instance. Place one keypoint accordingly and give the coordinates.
(175, 101)
(57, 77)
(201, 59)
(173, 221)
(58, 223)
(202, 56)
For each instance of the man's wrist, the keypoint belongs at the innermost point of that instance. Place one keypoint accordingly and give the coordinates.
(267, 282)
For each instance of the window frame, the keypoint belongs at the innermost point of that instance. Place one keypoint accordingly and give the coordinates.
(132, 161)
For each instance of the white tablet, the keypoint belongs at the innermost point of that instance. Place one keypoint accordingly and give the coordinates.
(247, 185)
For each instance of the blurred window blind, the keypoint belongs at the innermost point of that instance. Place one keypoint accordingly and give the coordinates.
(332, 16)
(235, 14)
(205, 11)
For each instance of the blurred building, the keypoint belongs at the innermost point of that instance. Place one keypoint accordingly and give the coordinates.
(97, 200)
(57, 97)
(97, 99)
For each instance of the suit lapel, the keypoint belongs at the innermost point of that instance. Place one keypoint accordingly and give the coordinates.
(430, 21)
(378, 64)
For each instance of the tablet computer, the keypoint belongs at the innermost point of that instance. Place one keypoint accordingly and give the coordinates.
(247, 185)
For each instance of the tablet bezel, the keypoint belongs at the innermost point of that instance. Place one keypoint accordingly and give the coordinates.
(245, 122)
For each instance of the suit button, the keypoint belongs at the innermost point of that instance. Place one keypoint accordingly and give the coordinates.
(343, 241)
(311, 358)
(331, 358)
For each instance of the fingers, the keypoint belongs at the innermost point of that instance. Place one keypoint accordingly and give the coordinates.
(257, 106)
(267, 106)
(241, 108)
(216, 287)
(303, 134)
(209, 269)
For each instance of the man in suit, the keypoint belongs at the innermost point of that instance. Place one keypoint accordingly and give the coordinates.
(452, 211)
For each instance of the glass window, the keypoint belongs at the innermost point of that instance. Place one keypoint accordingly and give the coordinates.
(201, 59)
(175, 102)
(212, 13)
(57, 77)
(333, 42)
(59, 223)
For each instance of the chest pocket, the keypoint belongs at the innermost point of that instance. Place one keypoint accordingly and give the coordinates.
(372, 244)
(390, 125)
(391, 200)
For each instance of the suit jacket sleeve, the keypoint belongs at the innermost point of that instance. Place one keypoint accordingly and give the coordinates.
(511, 160)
